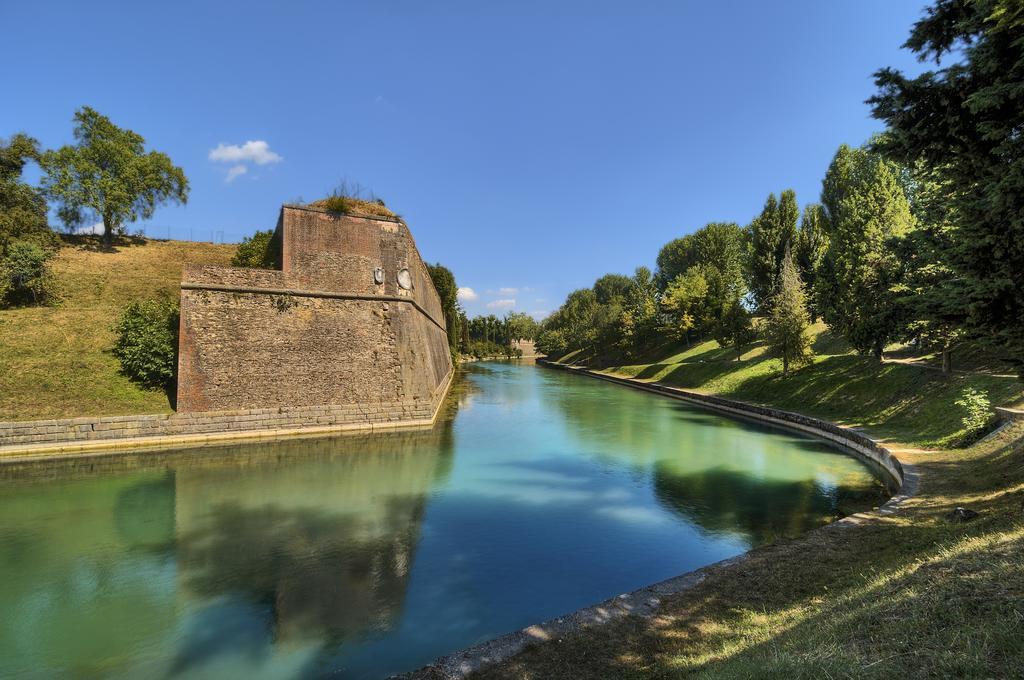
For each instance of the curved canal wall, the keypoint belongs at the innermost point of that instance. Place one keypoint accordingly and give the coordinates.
(852, 441)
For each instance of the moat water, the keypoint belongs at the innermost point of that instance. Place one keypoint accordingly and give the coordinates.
(539, 493)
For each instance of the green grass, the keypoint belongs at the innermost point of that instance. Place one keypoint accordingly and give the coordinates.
(55, 361)
(907, 595)
(906, 403)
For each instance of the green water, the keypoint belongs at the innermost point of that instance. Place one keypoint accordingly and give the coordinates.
(539, 493)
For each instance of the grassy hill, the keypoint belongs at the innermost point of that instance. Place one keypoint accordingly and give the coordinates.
(910, 403)
(56, 362)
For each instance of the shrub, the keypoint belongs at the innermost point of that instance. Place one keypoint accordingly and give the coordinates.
(147, 342)
(24, 274)
(977, 410)
(259, 251)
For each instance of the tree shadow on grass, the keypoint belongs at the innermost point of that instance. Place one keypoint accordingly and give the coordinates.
(94, 243)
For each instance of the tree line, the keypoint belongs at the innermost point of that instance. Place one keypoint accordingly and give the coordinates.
(481, 336)
(917, 235)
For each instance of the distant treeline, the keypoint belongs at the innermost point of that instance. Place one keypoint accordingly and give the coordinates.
(917, 236)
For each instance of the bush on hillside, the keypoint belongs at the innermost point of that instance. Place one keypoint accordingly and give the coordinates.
(259, 251)
(147, 342)
(24, 274)
(977, 414)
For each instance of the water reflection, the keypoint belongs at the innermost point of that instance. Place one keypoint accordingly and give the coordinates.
(729, 477)
(302, 544)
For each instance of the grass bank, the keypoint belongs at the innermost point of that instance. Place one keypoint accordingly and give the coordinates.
(914, 594)
(900, 402)
(55, 361)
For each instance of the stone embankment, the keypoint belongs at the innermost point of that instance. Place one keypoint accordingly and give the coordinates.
(846, 438)
(84, 435)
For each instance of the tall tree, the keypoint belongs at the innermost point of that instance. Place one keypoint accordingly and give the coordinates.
(786, 330)
(685, 302)
(859, 277)
(735, 329)
(964, 123)
(108, 174)
(811, 245)
(772, 234)
(22, 207)
(26, 241)
(612, 286)
(639, 321)
(447, 290)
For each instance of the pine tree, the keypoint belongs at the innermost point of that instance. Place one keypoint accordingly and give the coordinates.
(858, 280)
(786, 330)
(964, 121)
(772, 234)
(811, 245)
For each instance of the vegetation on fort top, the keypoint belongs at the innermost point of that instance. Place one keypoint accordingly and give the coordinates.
(341, 203)
(57, 361)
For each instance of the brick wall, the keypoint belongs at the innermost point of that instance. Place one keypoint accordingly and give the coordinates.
(319, 331)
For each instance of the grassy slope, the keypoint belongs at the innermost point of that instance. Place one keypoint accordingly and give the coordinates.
(56, 362)
(892, 401)
(911, 595)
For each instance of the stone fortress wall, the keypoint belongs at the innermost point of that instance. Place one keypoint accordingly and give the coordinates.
(347, 335)
(333, 326)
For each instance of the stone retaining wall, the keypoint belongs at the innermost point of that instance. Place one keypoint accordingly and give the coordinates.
(55, 435)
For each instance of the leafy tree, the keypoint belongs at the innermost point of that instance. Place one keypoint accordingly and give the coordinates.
(859, 278)
(447, 290)
(930, 294)
(786, 329)
(639, 320)
(964, 123)
(674, 258)
(521, 326)
(772, 234)
(22, 207)
(612, 286)
(259, 251)
(685, 302)
(147, 342)
(26, 241)
(735, 329)
(809, 251)
(108, 174)
(719, 244)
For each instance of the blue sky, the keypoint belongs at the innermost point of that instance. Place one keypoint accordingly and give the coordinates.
(531, 146)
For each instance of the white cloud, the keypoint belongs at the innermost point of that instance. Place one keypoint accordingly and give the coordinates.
(508, 292)
(466, 294)
(235, 171)
(257, 152)
(501, 304)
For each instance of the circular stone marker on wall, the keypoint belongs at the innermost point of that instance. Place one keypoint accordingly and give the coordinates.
(378, 275)
(405, 279)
